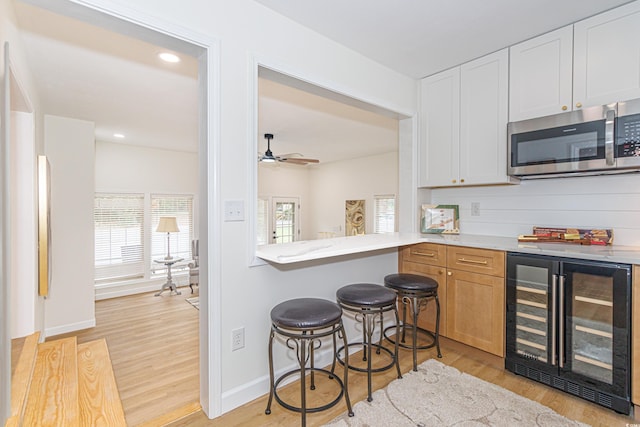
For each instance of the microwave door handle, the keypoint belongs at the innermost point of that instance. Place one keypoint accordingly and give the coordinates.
(609, 137)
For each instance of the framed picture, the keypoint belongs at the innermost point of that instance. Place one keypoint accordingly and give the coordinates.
(354, 217)
(440, 219)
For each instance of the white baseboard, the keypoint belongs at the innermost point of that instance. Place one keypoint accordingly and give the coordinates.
(115, 290)
(71, 327)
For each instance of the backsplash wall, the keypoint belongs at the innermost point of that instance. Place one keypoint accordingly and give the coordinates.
(582, 202)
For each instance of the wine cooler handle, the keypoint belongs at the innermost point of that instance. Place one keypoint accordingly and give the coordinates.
(561, 326)
(554, 317)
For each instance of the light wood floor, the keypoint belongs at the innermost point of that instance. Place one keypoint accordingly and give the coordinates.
(153, 343)
(475, 362)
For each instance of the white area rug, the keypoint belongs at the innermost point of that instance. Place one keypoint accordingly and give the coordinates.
(439, 395)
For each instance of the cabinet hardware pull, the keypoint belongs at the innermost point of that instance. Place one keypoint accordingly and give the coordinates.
(449, 273)
(430, 254)
(472, 261)
(453, 180)
(564, 108)
(579, 105)
(462, 180)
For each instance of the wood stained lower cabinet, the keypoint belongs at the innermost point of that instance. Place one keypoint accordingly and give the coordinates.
(470, 288)
(475, 310)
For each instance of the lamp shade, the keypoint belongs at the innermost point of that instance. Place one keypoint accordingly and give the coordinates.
(168, 224)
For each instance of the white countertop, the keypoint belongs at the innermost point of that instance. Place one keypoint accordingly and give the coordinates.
(286, 253)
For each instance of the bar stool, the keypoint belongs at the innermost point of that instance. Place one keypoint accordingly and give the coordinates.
(416, 291)
(303, 322)
(369, 302)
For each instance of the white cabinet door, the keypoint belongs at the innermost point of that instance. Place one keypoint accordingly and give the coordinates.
(540, 80)
(607, 57)
(483, 119)
(439, 129)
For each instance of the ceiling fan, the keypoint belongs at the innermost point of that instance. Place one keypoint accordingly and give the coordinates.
(285, 158)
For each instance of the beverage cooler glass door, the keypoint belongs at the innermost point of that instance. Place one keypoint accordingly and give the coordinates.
(595, 341)
(531, 322)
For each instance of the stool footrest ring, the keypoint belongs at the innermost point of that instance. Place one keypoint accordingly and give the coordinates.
(331, 376)
(376, 346)
(420, 330)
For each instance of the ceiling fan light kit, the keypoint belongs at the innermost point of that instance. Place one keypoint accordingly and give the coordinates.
(268, 156)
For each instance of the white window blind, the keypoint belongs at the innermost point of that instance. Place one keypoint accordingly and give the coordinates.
(263, 221)
(384, 213)
(181, 207)
(118, 221)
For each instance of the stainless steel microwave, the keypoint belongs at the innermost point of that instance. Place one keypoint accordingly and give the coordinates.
(594, 140)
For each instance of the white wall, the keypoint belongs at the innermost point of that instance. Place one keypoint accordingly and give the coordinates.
(249, 33)
(581, 202)
(124, 168)
(357, 179)
(28, 316)
(69, 146)
(131, 169)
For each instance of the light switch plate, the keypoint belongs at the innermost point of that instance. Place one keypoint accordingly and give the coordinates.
(234, 210)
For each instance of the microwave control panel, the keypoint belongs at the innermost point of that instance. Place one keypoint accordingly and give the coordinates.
(628, 136)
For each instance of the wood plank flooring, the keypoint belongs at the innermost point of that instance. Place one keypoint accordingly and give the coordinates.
(475, 362)
(153, 343)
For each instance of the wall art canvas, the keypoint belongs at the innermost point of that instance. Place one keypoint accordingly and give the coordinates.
(440, 219)
(354, 217)
(44, 226)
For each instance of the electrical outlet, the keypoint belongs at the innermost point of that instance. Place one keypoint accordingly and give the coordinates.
(475, 209)
(237, 339)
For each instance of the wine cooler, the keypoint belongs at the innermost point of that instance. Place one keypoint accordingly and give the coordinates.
(568, 326)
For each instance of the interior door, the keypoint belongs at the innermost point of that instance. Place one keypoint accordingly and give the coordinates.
(5, 331)
(285, 219)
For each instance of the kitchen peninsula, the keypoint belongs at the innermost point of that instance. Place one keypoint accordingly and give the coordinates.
(308, 250)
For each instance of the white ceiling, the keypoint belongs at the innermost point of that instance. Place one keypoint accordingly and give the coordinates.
(421, 37)
(90, 73)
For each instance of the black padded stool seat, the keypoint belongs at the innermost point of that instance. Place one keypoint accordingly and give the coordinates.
(369, 302)
(306, 321)
(305, 313)
(415, 290)
(366, 295)
(410, 283)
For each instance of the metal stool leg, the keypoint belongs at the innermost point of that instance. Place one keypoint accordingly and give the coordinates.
(303, 381)
(437, 338)
(271, 377)
(415, 310)
(346, 368)
(396, 345)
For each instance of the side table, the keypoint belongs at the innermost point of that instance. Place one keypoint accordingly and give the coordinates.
(169, 283)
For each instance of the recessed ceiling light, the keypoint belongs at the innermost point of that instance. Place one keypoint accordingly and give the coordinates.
(118, 135)
(169, 57)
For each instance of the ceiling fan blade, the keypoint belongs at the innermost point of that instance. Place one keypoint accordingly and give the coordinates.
(300, 159)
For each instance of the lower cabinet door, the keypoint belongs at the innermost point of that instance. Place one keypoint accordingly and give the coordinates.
(475, 310)
(427, 318)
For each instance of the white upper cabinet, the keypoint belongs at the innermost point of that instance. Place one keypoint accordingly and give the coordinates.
(439, 129)
(463, 124)
(540, 80)
(607, 57)
(484, 89)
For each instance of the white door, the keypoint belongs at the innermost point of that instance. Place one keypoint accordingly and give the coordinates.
(285, 219)
(541, 75)
(5, 331)
(607, 57)
(439, 129)
(484, 97)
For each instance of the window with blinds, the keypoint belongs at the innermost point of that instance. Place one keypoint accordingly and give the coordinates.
(181, 207)
(384, 213)
(119, 234)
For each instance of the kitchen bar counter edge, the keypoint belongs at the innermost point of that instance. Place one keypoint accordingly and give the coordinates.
(287, 253)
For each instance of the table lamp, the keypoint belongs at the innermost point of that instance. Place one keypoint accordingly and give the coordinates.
(168, 224)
